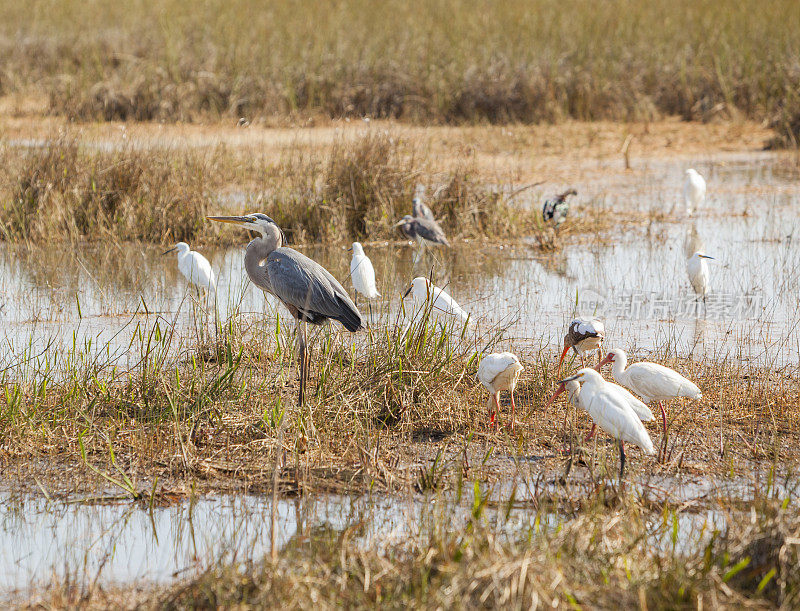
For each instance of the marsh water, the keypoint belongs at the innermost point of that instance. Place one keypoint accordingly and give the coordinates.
(96, 298)
(43, 540)
(633, 276)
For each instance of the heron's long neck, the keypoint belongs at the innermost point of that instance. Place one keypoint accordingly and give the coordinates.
(257, 251)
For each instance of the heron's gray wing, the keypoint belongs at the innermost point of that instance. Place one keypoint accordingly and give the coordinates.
(430, 231)
(421, 210)
(303, 284)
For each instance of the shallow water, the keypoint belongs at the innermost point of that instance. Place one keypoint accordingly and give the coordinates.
(43, 541)
(634, 277)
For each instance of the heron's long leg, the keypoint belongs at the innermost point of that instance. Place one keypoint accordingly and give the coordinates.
(490, 406)
(591, 433)
(301, 335)
(621, 459)
(513, 410)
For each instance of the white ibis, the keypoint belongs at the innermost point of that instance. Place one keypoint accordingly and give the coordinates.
(423, 292)
(362, 273)
(573, 389)
(555, 210)
(583, 335)
(694, 190)
(194, 267)
(697, 269)
(497, 372)
(611, 412)
(651, 381)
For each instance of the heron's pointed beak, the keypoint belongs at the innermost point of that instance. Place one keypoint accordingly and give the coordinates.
(166, 252)
(569, 379)
(242, 221)
(705, 257)
(561, 388)
(407, 292)
(398, 223)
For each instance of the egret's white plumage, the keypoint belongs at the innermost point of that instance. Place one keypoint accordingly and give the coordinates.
(651, 381)
(362, 273)
(497, 372)
(694, 190)
(611, 412)
(422, 290)
(697, 270)
(194, 266)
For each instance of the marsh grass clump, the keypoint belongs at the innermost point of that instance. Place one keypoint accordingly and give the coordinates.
(603, 556)
(364, 186)
(66, 191)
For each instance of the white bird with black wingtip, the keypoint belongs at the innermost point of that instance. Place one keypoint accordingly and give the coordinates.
(583, 335)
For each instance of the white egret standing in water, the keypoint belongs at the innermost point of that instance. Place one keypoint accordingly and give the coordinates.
(697, 270)
(694, 190)
(194, 267)
(362, 273)
(422, 290)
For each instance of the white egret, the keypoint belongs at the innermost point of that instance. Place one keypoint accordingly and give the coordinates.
(583, 335)
(611, 412)
(555, 210)
(194, 267)
(497, 372)
(423, 292)
(694, 190)
(697, 269)
(651, 381)
(362, 273)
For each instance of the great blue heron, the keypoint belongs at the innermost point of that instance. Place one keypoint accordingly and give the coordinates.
(194, 267)
(308, 290)
(421, 210)
(555, 210)
(424, 231)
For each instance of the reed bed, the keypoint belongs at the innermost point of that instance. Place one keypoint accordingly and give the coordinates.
(356, 190)
(449, 61)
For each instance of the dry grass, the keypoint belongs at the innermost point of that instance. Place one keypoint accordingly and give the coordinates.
(356, 190)
(435, 62)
